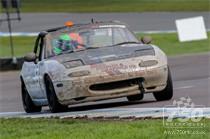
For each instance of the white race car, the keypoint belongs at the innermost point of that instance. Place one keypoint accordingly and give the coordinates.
(88, 62)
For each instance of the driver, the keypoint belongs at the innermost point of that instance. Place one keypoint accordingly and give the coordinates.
(67, 42)
(76, 40)
(62, 44)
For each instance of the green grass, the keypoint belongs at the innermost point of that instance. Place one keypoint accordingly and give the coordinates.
(113, 5)
(170, 44)
(167, 42)
(22, 45)
(83, 129)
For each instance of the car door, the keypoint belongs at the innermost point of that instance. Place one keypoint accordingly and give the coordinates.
(41, 68)
(31, 73)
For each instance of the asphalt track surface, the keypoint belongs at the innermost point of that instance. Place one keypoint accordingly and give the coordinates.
(191, 78)
(148, 21)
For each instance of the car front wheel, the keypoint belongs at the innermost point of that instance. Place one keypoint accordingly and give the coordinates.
(167, 93)
(28, 104)
(53, 102)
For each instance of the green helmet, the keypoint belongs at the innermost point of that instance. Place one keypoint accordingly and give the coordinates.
(62, 43)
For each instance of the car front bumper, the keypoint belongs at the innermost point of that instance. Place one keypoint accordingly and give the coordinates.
(102, 84)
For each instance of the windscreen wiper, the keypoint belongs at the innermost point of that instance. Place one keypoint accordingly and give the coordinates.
(87, 48)
(128, 42)
(65, 52)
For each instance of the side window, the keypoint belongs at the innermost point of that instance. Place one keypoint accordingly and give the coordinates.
(48, 46)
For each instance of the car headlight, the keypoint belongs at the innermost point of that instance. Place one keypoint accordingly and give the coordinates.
(148, 63)
(73, 64)
(79, 73)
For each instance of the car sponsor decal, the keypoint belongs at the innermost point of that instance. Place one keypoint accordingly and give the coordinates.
(114, 69)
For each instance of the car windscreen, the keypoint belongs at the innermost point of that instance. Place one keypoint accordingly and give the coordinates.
(85, 38)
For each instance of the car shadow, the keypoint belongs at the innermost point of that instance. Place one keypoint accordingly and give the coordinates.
(105, 105)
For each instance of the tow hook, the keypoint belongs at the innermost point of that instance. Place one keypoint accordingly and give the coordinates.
(141, 88)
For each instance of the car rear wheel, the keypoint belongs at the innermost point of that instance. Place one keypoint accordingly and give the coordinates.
(137, 97)
(28, 104)
(53, 102)
(167, 93)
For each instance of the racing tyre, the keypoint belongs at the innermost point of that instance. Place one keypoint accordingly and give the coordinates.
(53, 103)
(28, 104)
(167, 93)
(136, 97)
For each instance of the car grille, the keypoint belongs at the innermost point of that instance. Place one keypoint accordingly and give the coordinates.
(116, 84)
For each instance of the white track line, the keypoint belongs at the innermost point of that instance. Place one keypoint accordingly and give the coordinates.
(106, 113)
(184, 87)
(27, 34)
(11, 113)
(6, 34)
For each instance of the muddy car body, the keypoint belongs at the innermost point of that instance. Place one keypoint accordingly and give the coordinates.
(90, 62)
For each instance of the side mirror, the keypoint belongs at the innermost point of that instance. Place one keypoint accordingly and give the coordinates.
(30, 57)
(146, 39)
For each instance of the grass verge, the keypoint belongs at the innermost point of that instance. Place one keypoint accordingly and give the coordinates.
(83, 129)
(170, 44)
(113, 5)
(167, 42)
(22, 45)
